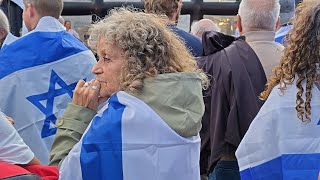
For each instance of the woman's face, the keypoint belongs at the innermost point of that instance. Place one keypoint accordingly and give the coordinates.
(67, 25)
(108, 68)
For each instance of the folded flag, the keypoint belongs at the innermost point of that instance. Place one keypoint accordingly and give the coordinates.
(127, 140)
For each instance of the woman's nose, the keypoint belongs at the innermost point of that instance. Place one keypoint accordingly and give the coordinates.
(96, 69)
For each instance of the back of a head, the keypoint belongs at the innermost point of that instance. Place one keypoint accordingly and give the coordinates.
(51, 8)
(199, 27)
(167, 7)
(259, 15)
(286, 10)
(4, 23)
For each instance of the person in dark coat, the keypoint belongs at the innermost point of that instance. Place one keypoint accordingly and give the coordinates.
(231, 102)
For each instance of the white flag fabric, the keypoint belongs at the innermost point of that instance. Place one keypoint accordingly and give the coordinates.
(278, 145)
(127, 140)
(38, 73)
(9, 39)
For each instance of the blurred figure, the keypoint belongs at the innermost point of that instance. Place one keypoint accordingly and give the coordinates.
(67, 25)
(61, 20)
(149, 127)
(283, 141)
(38, 79)
(172, 9)
(286, 14)
(199, 27)
(6, 37)
(4, 27)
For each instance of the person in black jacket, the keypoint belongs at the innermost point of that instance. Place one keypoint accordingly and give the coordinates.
(237, 78)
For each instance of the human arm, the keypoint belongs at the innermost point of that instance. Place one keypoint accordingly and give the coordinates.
(74, 122)
(12, 148)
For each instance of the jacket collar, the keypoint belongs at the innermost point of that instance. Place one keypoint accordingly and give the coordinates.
(48, 24)
(253, 36)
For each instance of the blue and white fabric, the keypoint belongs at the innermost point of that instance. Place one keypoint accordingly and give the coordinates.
(9, 39)
(38, 73)
(127, 140)
(278, 145)
(282, 32)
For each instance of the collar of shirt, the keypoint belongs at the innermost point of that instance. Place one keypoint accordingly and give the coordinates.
(48, 24)
(259, 36)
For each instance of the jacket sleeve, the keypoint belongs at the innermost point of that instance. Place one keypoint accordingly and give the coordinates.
(70, 129)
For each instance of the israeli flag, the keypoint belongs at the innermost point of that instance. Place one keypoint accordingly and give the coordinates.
(278, 145)
(38, 73)
(282, 33)
(127, 140)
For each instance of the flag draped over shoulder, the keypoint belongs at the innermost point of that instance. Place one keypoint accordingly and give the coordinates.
(38, 73)
(278, 145)
(127, 140)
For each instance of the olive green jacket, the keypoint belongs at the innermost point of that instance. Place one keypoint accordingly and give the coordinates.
(175, 97)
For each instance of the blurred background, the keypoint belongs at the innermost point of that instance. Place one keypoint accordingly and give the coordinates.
(82, 13)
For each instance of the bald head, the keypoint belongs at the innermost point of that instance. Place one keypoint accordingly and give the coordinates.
(199, 27)
(258, 15)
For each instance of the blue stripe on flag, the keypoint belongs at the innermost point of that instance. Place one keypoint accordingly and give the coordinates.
(101, 151)
(36, 49)
(290, 166)
(279, 39)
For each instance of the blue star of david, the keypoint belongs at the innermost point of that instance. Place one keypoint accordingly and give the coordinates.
(49, 96)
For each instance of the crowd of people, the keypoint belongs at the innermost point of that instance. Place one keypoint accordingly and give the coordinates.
(159, 102)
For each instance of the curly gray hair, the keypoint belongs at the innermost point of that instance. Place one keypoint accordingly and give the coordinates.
(148, 46)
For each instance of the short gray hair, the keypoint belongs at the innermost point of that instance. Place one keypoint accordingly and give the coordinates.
(4, 23)
(199, 27)
(51, 8)
(259, 14)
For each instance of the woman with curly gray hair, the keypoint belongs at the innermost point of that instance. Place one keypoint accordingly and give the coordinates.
(149, 90)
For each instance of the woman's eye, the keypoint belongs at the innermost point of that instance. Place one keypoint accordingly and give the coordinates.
(106, 59)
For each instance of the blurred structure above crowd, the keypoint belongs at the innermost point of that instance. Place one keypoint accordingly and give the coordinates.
(83, 12)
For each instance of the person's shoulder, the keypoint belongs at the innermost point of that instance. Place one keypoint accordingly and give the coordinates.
(187, 36)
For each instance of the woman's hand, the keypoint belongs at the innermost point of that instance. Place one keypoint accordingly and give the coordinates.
(86, 94)
(9, 119)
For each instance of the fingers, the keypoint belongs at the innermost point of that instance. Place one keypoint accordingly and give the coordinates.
(86, 94)
(93, 95)
(96, 86)
(77, 98)
(9, 119)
